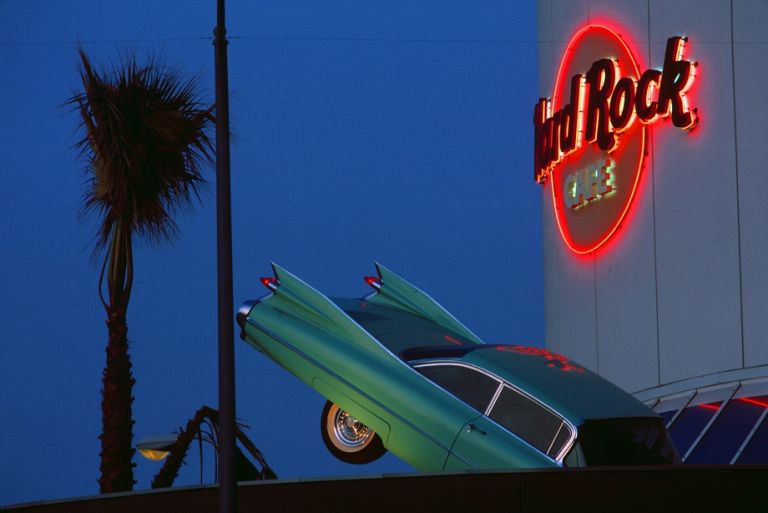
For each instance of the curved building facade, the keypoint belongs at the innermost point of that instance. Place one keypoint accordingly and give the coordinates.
(648, 141)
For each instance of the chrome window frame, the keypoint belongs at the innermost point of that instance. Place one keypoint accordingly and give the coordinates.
(442, 363)
(560, 456)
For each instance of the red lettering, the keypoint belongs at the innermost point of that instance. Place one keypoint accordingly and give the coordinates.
(559, 134)
(539, 142)
(645, 106)
(554, 150)
(675, 81)
(612, 104)
(601, 79)
(623, 104)
(570, 134)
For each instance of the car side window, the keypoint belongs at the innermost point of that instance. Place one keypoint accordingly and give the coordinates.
(471, 386)
(530, 421)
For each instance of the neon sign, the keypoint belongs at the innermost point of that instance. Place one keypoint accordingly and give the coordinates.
(588, 184)
(589, 138)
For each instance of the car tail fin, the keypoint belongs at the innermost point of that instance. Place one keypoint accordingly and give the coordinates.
(300, 300)
(394, 291)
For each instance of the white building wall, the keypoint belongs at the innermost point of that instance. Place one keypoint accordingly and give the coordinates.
(750, 54)
(682, 291)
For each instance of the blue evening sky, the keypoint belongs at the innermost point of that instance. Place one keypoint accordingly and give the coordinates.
(397, 131)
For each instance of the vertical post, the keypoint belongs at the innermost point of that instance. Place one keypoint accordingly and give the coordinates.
(227, 483)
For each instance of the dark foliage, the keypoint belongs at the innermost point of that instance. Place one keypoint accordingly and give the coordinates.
(145, 142)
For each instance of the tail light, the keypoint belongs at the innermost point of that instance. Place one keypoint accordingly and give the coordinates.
(270, 283)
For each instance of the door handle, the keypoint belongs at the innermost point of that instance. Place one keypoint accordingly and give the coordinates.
(472, 427)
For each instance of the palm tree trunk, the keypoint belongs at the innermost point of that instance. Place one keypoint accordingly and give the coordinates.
(117, 421)
(117, 381)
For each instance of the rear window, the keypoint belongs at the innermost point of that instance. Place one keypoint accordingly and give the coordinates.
(633, 441)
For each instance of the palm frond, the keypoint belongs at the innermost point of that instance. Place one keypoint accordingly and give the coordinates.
(145, 141)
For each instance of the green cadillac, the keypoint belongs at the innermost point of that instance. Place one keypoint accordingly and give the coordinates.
(402, 374)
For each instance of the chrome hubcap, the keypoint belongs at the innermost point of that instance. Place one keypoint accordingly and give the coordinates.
(350, 431)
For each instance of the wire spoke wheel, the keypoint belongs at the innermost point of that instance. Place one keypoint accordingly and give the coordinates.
(347, 438)
(350, 431)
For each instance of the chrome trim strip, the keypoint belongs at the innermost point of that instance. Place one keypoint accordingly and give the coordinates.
(358, 390)
(568, 444)
(494, 398)
(749, 437)
(245, 308)
(709, 425)
(566, 447)
(440, 363)
(555, 437)
(735, 375)
(683, 407)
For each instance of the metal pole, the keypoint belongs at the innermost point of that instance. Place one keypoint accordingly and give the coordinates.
(227, 483)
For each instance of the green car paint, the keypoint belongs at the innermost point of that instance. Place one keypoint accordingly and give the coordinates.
(365, 356)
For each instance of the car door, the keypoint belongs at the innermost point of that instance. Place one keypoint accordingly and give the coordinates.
(465, 383)
(482, 444)
(516, 431)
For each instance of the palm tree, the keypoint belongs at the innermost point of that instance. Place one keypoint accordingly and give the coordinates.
(145, 141)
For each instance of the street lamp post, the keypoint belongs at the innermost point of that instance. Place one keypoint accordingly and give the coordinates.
(227, 483)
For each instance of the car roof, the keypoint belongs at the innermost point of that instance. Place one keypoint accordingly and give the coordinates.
(567, 387)
(564, 385)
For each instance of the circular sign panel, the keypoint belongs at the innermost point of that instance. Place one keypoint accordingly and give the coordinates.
(593, 190)
(590, 137)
